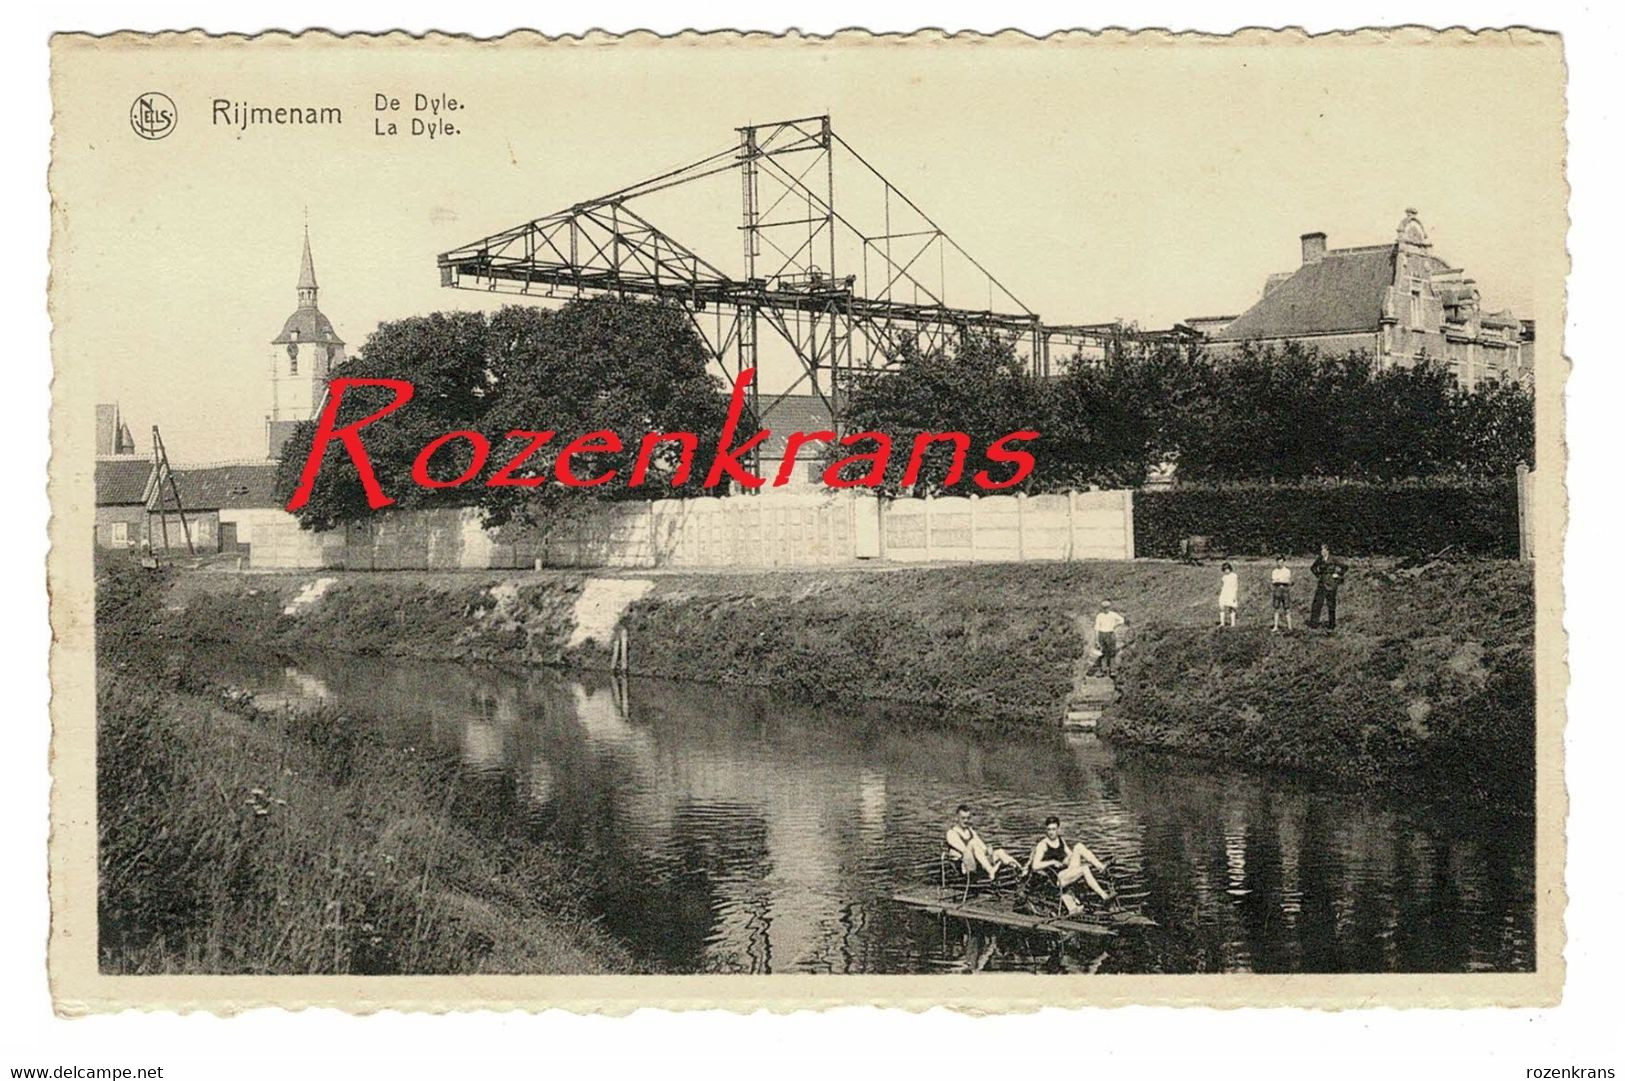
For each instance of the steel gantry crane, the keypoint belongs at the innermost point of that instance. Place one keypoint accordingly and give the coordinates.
(845, 295)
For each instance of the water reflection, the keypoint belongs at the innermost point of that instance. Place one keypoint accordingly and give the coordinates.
(739, 832)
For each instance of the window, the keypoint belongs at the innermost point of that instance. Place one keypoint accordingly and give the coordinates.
(120, 533)
(1416, 307)
(293, 364)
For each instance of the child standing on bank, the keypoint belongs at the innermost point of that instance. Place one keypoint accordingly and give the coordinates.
(1281, 593)
(1106, 624)
(1229, 594)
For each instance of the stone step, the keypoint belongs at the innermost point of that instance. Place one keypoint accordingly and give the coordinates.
(1080, 720)
(1094, 689)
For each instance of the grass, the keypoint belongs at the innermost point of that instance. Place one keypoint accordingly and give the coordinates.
(1428, 679)
(238, 840)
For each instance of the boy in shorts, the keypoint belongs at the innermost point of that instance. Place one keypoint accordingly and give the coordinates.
(1107, 620)
(1281, 594)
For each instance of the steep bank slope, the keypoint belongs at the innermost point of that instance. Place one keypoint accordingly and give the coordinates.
(1427, 673)
(244, 840)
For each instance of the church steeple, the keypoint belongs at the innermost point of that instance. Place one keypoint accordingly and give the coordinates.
(303, 356)
(307, 276)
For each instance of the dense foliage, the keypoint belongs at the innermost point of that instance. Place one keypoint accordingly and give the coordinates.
(1289, 413)
(980, 389)
(1470, 517)
(625, 366)
(1257, 414)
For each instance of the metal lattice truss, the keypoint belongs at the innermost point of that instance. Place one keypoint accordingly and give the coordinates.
(907, 283)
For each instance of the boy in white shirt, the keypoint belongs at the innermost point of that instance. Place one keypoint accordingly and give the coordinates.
(1107, 621)
(1281, 593)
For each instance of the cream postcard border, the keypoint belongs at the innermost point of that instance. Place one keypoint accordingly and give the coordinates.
(79, 988)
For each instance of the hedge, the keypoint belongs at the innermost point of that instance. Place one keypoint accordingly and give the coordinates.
(1480, 518)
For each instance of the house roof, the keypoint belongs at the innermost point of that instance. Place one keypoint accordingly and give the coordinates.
(122, 481)
(224, 487)
(792, 413)
(1341, 291)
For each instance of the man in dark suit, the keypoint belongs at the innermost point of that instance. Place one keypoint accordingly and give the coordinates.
(1329, 574)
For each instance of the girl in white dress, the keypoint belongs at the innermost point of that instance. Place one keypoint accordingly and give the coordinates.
(1229, 591)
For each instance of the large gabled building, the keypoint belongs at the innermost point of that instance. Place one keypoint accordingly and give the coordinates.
(1398, 301)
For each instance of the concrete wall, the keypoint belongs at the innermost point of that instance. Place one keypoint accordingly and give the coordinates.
(782, 529)
(1004, 528)
(274, 540)
(771, 530)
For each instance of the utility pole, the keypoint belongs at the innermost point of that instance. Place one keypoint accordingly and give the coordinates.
(166, 475)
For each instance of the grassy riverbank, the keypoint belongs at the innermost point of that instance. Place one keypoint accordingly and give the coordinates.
(1428, 679)
(239, 840)
(1429, 675)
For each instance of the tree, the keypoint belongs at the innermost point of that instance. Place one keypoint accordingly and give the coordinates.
(1403, 424)
(444, 356)
(630, 367)
(1111, 423)
(1495, 430)
(978, 388)
(623, 366)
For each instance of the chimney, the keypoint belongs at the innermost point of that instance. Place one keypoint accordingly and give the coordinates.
(1314, 247)
(107, 429)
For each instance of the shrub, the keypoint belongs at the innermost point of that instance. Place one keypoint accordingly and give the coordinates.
(1479, 518)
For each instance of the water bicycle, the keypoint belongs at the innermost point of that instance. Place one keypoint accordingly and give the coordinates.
(1031, 901)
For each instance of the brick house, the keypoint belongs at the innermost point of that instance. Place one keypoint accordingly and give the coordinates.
(123, 486)
(222, 502)
(1398, 301)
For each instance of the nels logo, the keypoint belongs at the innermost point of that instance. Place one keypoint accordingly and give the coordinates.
(152, 115)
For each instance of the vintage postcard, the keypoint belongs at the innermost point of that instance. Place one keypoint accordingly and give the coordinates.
(749, 521)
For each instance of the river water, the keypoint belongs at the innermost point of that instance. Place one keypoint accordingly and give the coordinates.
(741, 832)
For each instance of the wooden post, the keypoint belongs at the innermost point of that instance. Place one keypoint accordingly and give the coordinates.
(1525, 547)
(928, 528)
(654, 546)
(1071, 524)
(1128, 522)
(619, 652)
(1021, 527)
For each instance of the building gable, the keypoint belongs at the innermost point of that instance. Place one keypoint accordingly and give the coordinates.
(122, 481)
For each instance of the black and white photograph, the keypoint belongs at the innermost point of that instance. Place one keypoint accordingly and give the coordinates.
(1034, 517)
